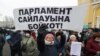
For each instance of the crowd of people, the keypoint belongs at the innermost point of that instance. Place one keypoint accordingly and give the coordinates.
(49, 43)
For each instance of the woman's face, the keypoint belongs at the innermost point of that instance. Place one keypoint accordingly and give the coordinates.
(73, 39)
(50, 38)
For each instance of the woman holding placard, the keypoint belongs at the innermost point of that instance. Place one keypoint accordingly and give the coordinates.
(68, 45)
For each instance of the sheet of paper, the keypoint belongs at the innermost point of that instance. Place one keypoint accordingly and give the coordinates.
(76, 48)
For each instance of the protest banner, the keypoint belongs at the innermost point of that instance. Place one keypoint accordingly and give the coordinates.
(70, 18)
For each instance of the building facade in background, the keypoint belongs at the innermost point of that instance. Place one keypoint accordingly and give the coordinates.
(93, 15)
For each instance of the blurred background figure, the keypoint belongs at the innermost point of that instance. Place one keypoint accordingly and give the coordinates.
(61, 38)
(29, 46)
(33, 33)
(2, 41)
(14, 41)
(86, 34)
(93, 45)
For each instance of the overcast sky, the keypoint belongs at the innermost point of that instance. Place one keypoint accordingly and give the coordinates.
(7, 6)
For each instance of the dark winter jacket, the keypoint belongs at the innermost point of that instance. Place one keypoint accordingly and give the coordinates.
(62, 41)
(49, 50)
(15, 39)
(2, 41)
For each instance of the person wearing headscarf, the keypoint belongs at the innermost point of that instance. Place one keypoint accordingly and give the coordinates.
(46, 41)
(72, 38)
